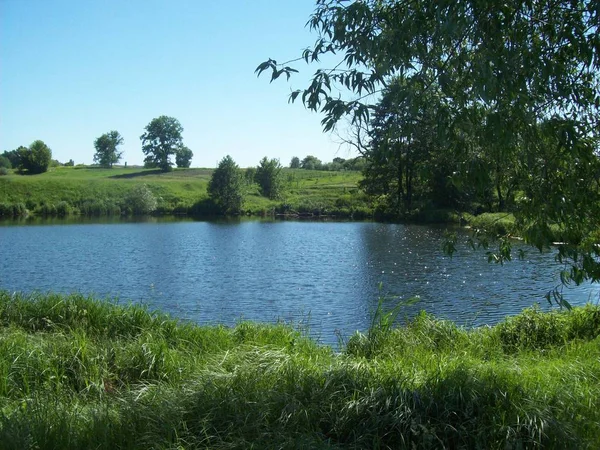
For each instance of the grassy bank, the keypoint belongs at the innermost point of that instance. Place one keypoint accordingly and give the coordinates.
(80, 373)
(97, 191)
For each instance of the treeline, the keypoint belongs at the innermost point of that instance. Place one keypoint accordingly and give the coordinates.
(338, 164)
(29, 160)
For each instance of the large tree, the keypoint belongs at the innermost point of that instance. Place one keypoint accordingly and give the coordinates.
(524, 75)
(226, 186)
(35, 159)
(106, 146)
(161, 140)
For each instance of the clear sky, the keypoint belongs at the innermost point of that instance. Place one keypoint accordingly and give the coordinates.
(71, 70)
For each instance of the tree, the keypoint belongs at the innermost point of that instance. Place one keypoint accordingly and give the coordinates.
(268, 177)
(5, 162)
(183, 157)
(250, 175)
(295, 163)
(311, 163)
(225, 187)
(528, 69)
(161, 140)
(13, 156)
(106, 145)
(35, 159)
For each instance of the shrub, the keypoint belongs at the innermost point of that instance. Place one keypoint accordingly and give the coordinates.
(63, 209)
(99, 208)
(3, 171)
(6, 210)
(141, 200)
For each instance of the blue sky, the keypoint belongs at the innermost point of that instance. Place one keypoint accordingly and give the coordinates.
(71, 70)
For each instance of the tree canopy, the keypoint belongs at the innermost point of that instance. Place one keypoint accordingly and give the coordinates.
(106, 146)
(225, 187)
(35, 159)
(516, 98)
(269, 179)
(183, 157)
(161, 140)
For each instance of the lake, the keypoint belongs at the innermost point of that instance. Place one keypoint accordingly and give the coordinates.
(327, 275)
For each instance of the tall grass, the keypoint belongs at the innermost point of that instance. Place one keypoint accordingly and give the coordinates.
(78, 372)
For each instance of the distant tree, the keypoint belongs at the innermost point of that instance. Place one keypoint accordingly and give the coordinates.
(161, 140)
(225, 186)
(106, 145)
(35, 159)
(13, 156)
(5, 162)
(70, 163)
(250, 175)
(183, 157)
(311, 163)
(295, 163)
(268, 177)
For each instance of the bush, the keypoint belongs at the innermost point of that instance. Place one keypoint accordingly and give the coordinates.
(6, 210)
(63, 209)
(141, 200)
(12, 210)
(3, 171)
(534, 329)
(99, 208)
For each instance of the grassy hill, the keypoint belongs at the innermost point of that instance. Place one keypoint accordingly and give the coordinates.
(98, 191)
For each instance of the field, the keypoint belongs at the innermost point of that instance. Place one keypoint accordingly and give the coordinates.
(96, 191)
(77, 372)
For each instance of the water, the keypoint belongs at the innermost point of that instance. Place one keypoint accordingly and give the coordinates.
(324, 275)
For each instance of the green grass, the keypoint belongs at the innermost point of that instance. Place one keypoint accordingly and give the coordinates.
(98, 191)
(501, 223)
(82, 373)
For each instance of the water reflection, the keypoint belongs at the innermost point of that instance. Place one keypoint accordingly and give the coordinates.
(324, 273)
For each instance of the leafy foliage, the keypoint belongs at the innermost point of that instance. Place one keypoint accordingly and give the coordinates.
(141, 200)
(516, 92)
(106, 145)
(226, 186)
(5, 162)
(269, 178)
(295, 163)
(311, 163)
(35, 159)
(183, 157)
(13, 156)
(161, 140)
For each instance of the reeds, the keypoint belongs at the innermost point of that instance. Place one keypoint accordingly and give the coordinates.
(77, 372)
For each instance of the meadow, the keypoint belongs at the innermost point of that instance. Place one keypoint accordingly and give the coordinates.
(78, 372)
(93, 191)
